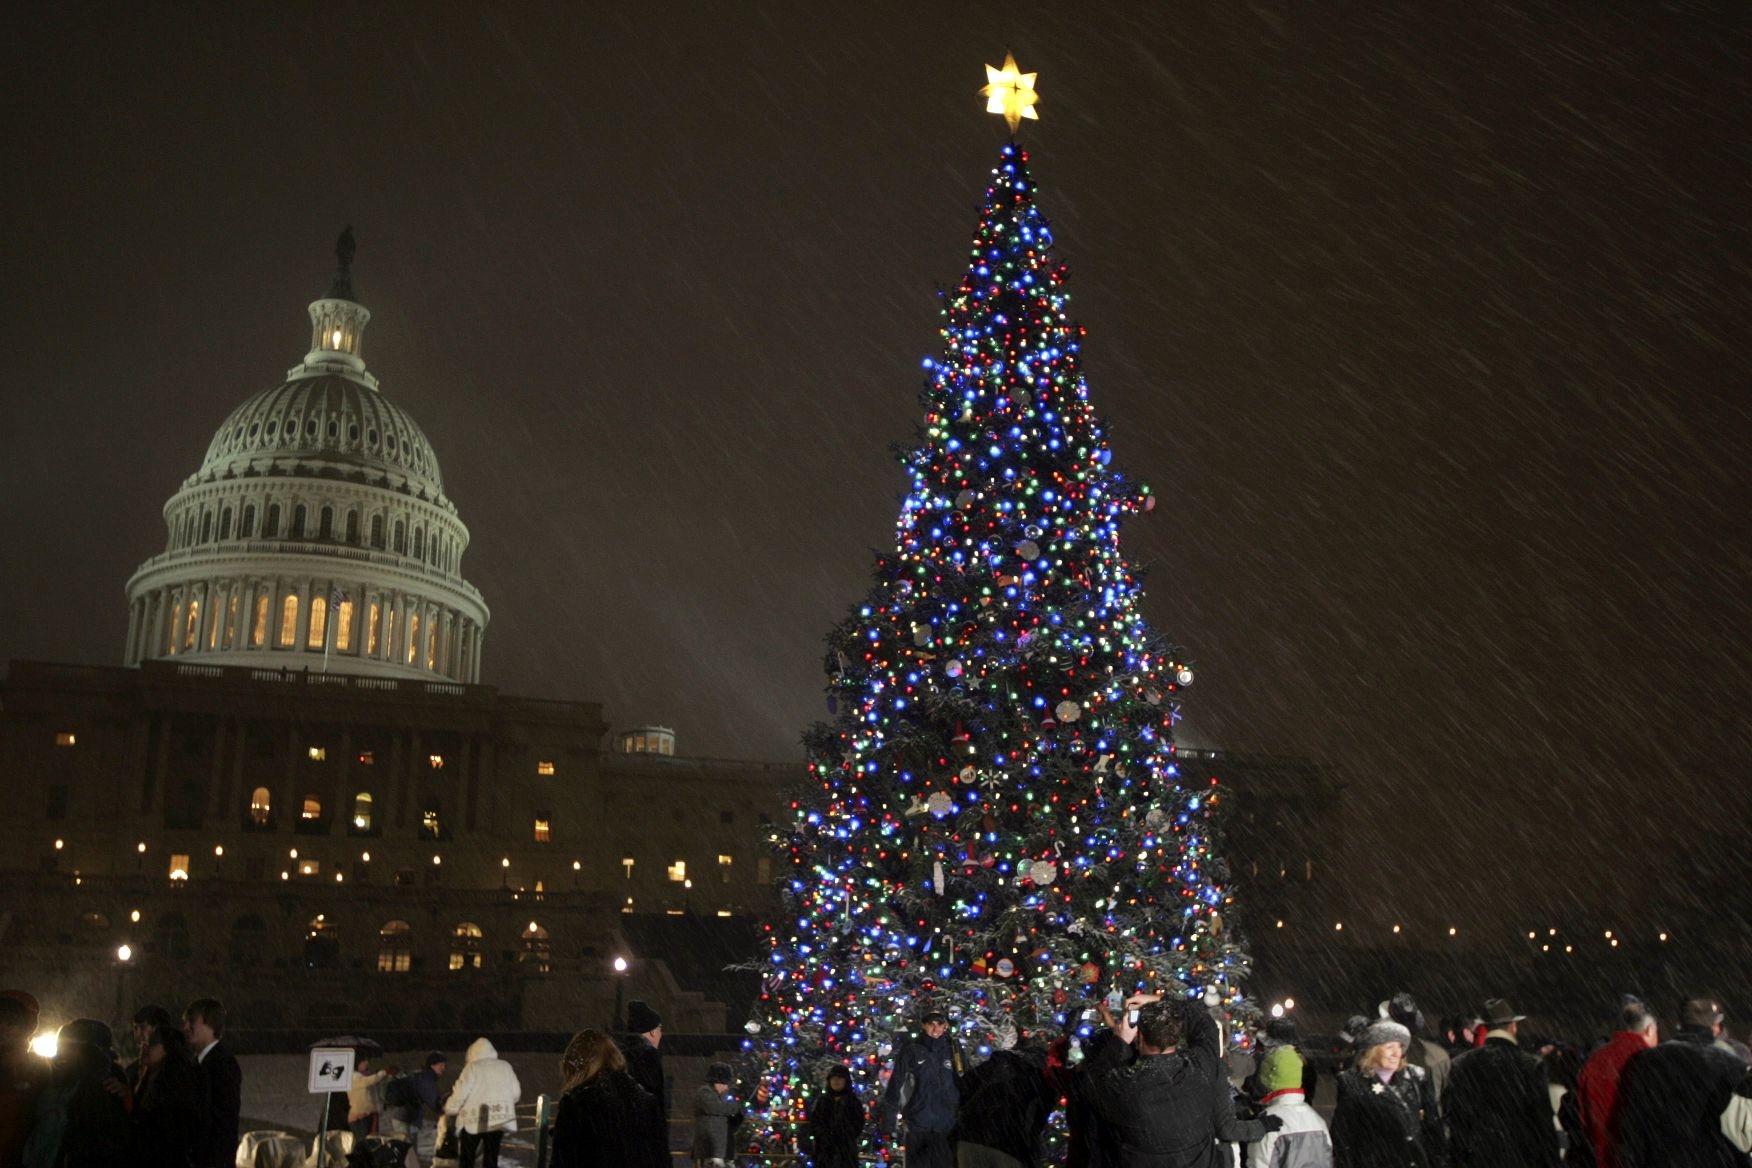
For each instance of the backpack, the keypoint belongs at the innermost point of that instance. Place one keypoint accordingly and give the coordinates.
(401, 1091)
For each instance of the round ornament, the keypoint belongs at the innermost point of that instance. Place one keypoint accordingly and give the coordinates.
(1033, 531)
(751, 1026)
(1028, 550)
(939, 804)
(1043, 871)
(1068, 711)
(953, 668)
(1005, 967)
(1183, 676)
(921, 635)
(967, 774)
(966, 499)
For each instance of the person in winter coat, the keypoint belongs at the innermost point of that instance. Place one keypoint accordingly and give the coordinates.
(170, 1102)
(1597, 1084)
(924, 1090)
(365, 1099)
(23, 1075)
(604, 1119)
(1499, 1102)
(416, 1097)
(1166, 1104)
(1386, 1114)
(836, 1121)
(1004, 1104)
(204, 1025)
(1302, 1140)
(717, 1113)
(644, 1060)
(79, 1123)
(1421, 1051)
(1671, 1097)
(484, 1102)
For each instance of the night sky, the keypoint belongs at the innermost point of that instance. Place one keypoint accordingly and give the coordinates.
(1428, 322)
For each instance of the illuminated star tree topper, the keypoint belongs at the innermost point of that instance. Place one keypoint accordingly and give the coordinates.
(1010, 92)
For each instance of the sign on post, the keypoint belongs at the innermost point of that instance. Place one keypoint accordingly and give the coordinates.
(331, 1069)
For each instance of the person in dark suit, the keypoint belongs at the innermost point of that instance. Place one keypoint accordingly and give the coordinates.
(204, 1023)
(645, 1064)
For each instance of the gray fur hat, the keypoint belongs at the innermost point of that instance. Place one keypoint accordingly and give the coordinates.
(1382, 1032)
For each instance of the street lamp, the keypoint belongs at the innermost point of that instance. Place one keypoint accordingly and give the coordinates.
(505, 872)
(620, 981)
(124, 954)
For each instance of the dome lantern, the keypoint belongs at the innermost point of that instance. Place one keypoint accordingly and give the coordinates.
(337, 324)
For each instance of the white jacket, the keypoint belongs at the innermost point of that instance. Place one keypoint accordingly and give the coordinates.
(1301, 1143)
(486, 1093)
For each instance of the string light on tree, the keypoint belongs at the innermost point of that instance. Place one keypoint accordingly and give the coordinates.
(995, 821)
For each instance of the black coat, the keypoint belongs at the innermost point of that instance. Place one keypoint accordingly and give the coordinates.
(645, 1065)
(170, 1115)
(836, 1121)
(1499, 1109)
(1385, 1125)
(609, 1122)
(1165, 1110)
(1670, 1101)
(217, 1147)
(92, 1123)
(1004, 1104)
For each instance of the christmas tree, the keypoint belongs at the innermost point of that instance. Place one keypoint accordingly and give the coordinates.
(996, 825)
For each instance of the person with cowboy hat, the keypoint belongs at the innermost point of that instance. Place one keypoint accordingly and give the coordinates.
(1499, 1104)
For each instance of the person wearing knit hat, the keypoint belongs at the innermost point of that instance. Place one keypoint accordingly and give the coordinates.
(836, 1122)
(1302, 1138)
(1421, 1051)
(716, 1114)
(1386, 1111)
(645, 1064)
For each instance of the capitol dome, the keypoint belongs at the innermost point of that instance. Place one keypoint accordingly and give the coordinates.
(316, 534)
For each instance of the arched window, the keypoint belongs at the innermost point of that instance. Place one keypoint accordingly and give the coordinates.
(249, 941)
(466, 946)
(377, 531)
(271, 528)
(193, 625)
(373, 617)
(353, 527)
(261, 809)
(401, 537)
(325, 523)
(298, 521)
(170, 937)
(322, 944)
(395, 947)
(258, 633)
(247, 528)
(535, 948)
(362, 811)
(413, 636)
(318, 622)
(344, 626)
(206, 526)
(225, 524)
(289, 621)
(419, 543)
(311, 810)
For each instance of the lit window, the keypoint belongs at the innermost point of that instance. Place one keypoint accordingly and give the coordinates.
(677, 871)
(318, 622)
(312, 808)
(466, 946)
(194, 624)
(261, 809)
(436, 761)
(258, 632)
(362, 803)
(541, 768)
(344, 627)
(413, 636)
(395, 947)
(627, 863)
(542, 833)
(179, 866)
(318, 753)
(536, 948)
(309, 868)
(231, 618)
(288, 621)
(724, 863)
(429, 825)
(68, 738)
(373, 615)
(723, 912)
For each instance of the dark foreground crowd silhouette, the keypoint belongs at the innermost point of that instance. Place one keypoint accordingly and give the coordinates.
(1152, 1088)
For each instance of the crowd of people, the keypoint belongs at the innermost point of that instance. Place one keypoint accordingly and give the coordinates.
(1153, 1088)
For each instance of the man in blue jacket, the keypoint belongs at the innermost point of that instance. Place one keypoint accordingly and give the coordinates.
(924, 1089)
